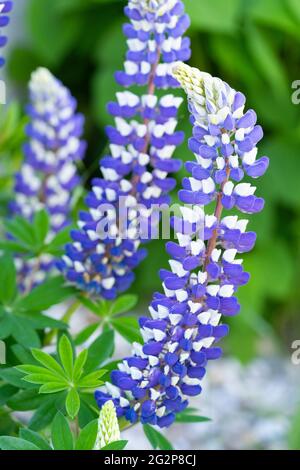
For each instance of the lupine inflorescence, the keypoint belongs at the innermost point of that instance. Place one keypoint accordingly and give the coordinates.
(5, 9)
(179, 339)
(48, 174)
(141, 146)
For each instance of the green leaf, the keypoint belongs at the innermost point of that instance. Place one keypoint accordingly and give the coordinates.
(51, 292)
(109, 367)
(61, 435)
(56, 246)
(66, 355)
(117, 445)
(41, 378)
(25, 400)
(128, 327)
(40, 322)
(100, 350)
(267, 62)
(124, 304)
(24, 333)
(99, 308)
(46, 412)
(48, 361)
(85, 334)
(8, 286)
(53, 387)
(88, 409)
(188, 416)
(294, 431)
(87, 436)
(22, 230)
(91, 380)
(156, 439)
(34, 438)
(5, 326)
(219, 16)
(6, 392)
(52, 34)
(79, 365)
(15, 443)
(41, 226)
(23, 355)
(72, 403)
(14, 377)
(33, 369)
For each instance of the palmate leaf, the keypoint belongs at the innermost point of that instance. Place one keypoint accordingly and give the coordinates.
(46, 412)
(13, 247)
(8, 283)
(128, 327)
(41, 226)
(156, 439)
(56, 246)
(100, 350)
(40, 322)
(53, 291)
(99, 308)
(87, 436)
(61, 435)
(6, 326)
(72, 403)
(26, 400)
(88, 409)
(123, 304)
(15, 443)
(85, 334)
(91, 380)
(117, 445)
(189, 416)
(15, 378)
(33, 369)
(65, 351)
(53, 387)
(48, 361)
(79, 365)
(41, 379)
(23, 332)
(6, 392)
(35, 438)
(21, 230)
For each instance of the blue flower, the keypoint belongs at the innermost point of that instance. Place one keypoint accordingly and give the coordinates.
(48, 173)
(106, 247)
(181, 336)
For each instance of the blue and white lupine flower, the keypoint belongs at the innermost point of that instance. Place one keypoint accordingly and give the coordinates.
(5, 9)
(48, 173)
(142, 143)
(180, 337)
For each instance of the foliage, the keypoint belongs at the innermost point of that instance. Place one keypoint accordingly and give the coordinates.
(242, 41)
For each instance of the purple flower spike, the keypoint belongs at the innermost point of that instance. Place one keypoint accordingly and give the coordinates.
(5, 9)
(206, 269)
(48, 174)
(106, 247)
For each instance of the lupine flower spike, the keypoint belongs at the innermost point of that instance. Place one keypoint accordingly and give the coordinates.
(156, 382)
(141, 146)
(108, 426)
(5, 9)
(48, 174)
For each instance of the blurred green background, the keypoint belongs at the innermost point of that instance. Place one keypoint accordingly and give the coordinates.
(253, 45)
